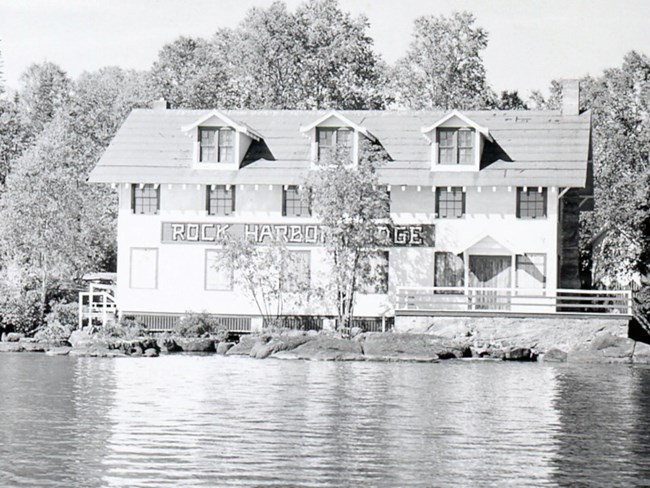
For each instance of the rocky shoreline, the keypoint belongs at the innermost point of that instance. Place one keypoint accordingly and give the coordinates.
(602, 347)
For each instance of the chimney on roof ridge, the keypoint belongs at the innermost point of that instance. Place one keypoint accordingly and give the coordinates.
(160, 104)
(570, 97)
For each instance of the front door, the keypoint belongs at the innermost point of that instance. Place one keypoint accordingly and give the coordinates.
(490, 272)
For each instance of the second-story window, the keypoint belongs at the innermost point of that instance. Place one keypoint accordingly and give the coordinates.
(216, 145)
(331, 138)
(455, 146)
(450, 202)
(145, 199)
(531, 203)
(293, 203)
(220, 200)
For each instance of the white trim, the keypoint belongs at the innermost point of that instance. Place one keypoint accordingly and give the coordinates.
(346, 123)
(253, 134)
(455, 113)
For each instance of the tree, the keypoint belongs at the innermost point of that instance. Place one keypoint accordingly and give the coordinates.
(443, 68)
(54, 226)
(192, 73)
(352, 208)
(270, 274)
(620, 101)
(45, 91)
(510, 100)
(15, 135)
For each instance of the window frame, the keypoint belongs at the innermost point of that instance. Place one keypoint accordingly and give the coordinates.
(156, 268)
(298, 198)
(531, 205)
(460, 278)
(290, 287)
(529, 256)
(140, 199)
(456, 146)
(217, 146)
(376, 287)
(231, 283)
(228, 203)
(335, 141)
(439, 201)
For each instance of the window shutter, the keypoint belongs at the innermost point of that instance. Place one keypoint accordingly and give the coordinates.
(158, 199)
(132, 198)
(233, 197)
(463, 199)
(284, 202)
(207, 199)
(518, 204)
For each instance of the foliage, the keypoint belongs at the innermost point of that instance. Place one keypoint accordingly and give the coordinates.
(61, 320)
(352, 208)
(270, 275)
(53, 224)
(127, 329)
(45, 92)
(620, 101)
(315, 57)
(15, 135)
(443, 67)
(198, 325)
(21, 308)
(510, 100)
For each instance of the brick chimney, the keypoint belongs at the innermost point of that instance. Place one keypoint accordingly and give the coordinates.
(160, 104)
(570, 97)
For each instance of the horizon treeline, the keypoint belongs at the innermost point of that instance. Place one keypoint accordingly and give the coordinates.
(55, 227)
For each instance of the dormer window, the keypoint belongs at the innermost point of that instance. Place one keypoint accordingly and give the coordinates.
(455, 146)
(329, 138)
(216, 145)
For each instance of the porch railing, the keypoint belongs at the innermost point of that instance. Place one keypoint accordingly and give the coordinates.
(514, 300)
(97, 305)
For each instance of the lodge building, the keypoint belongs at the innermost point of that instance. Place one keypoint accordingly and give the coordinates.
(481, 201)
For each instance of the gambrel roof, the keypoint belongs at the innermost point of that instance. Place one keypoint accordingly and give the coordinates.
(528, 148)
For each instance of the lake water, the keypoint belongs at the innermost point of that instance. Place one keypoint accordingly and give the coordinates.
(219, 422)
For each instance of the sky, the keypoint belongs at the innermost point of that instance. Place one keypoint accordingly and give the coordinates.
(531, 42)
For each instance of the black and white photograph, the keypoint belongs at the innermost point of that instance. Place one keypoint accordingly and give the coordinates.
(324, 243)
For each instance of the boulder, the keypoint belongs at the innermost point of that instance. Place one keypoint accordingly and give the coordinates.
(14, 336)
(96, 352)
(603, 348)
(401, 347)
(151, 352)
(641, 353)
(80, 338)
(325, 348)
(224, 347)
(264, 349)
(554, 355)
(33, 346)
(167, 344)
(196, 344)
(243, 347)
(520, 354)
(11, 347)
(58, 351)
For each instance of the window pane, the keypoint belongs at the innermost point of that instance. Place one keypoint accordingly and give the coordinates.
(446, 155)
(450, 203)
(325, 137)
(293, 204)
(378, 282)
(144, 268)
(531, 204)
(217, 275)
(449, 271)
(145, 200)
(208, 145)
(298, 273)
(221, 201)
(531, 271)
(226, 145)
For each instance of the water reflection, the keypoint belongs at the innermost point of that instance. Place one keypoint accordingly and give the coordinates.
(214, 421)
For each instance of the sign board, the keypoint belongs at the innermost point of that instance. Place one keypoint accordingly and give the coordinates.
(418, 235)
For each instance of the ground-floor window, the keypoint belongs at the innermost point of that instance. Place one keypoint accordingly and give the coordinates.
(218, 276)
(378, 282)
(144, 268)
(297, 276)
(531, 271)
(449, 271)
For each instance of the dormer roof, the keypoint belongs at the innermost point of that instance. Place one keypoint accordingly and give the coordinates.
(466, 120)
(225, 120)
(346, 122)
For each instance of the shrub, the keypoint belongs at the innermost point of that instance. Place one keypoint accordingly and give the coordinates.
(198, 324)
(128, 328)
(59, 322)
(22, 311)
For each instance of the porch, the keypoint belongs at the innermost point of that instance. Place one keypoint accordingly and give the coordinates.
(486, 301)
